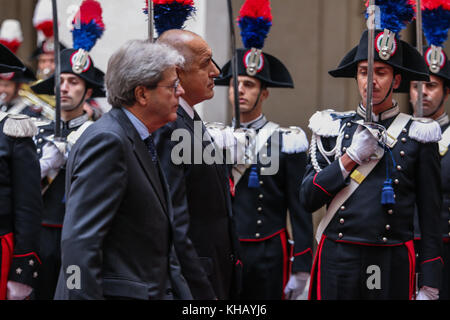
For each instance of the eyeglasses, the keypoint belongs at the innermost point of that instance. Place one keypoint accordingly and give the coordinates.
(174, 86)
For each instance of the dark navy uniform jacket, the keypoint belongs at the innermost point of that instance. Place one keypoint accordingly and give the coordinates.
(445, 179)
(261, 212)
(362, 219)
(20, 202)
(445, 176)
(54, 199)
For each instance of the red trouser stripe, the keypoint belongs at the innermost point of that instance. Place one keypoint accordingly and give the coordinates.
(7, 252)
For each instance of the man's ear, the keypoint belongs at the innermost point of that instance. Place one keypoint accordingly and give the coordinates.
(447, 92)
(88, 93)
(141, 95)
(264, 94)
(397, 80)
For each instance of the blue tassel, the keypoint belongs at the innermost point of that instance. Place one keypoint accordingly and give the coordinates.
(253, 179)
(387, 193)
(254, 31)
(86, 37)
(435, 25)
(171, 16)
(395, 15)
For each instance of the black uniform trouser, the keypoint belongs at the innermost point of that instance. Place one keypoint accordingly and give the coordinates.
(347, 271)
(265, 268)
(444, 292)
(50, 253)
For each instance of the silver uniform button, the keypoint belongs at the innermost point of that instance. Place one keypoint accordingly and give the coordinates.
(390, 211)
(344, 149)
(40, 140)
(396, 181)
(261, 196)
(259, 209)
(261, 182)
(340, 235)
(341, 221)
(403, 139)
(404, 130)
(402, 153)
(42, 130)
(347, 136)
(342, 208)
(259, 222)
(385, 239)
(349, 124)
(399, 167)
(257, 235)
(388, 227)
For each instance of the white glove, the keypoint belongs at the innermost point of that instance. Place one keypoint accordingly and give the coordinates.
(52, 159)
(428, 293)
(17, 290)
(363, 146)
(296, 285)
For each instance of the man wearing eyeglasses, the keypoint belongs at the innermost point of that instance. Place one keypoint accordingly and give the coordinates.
(118, 225)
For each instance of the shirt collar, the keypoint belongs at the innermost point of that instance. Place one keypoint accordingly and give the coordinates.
(443, 119)
(75, 122)
(256, 124)
(140, 127)
(392, 112)
(189, 110)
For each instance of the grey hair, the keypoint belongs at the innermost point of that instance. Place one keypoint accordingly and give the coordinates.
(137, 63)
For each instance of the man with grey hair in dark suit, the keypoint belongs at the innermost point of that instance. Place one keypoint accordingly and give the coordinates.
(117, 238)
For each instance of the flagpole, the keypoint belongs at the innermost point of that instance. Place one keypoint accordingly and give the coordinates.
(419, 42)
(151, 26)
(234, 69)
(57, 74)
(370, 60)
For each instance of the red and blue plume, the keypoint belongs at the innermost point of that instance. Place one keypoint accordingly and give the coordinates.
(170, 14)
(88, 25)
(255, 20)
(436, 21)
(395, 15)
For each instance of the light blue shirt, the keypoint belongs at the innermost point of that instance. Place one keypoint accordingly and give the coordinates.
(140, 127)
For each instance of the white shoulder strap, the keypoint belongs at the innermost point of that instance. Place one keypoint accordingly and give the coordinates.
(445, 141)
(261, 138)
(358, 176)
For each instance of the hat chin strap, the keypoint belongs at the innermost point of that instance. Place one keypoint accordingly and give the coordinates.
(256, 102)
(438, 107)
(388, 93)
(81, 101)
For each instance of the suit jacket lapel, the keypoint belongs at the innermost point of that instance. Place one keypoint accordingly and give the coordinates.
(142, 155)
(220, 170)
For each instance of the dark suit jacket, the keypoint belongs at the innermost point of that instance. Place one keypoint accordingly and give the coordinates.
(202, 215)
(118, 222)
